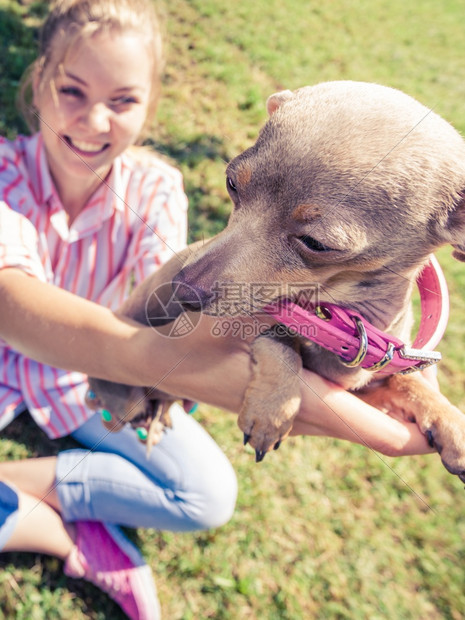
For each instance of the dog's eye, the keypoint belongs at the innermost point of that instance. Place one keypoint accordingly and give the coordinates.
(313, 244)
(230, 185)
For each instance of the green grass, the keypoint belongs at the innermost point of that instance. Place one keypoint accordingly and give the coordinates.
(323, 529)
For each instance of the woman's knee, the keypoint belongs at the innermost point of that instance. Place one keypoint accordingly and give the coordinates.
(215, 502)
(205, 482)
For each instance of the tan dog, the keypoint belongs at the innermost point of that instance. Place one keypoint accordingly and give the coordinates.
(350, 187)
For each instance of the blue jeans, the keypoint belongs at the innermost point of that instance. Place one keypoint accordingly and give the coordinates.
(186, 483)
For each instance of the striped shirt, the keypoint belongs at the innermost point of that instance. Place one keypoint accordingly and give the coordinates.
(135, 221)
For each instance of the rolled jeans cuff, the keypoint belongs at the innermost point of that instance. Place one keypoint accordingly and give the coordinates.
(72, 470)
(8, 512)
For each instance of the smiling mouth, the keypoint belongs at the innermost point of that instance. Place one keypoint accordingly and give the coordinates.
(86, 148)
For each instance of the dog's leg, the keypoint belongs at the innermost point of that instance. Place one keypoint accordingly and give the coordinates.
(441, 422)
(272, 399)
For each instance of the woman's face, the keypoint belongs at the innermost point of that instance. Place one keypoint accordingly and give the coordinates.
(95, 107)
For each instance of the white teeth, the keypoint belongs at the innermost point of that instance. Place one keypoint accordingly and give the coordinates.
(89, 147)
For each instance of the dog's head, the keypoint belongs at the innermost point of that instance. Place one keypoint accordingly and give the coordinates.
(350, 186)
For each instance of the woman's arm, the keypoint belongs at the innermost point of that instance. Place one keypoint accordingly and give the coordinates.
(217, 371)
(63, 330)
(330, 411)
(58, 328)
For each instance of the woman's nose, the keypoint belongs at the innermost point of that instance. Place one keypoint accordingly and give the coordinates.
(97, 117)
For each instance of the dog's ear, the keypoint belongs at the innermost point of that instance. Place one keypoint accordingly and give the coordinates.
(459, 252)
(456, 228)
(275, 101)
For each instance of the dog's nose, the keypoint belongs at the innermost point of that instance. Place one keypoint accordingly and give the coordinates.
(190, 298)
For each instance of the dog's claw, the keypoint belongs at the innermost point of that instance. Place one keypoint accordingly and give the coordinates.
(277, 444)
(259, 455)
(430, 438)
(246, 439)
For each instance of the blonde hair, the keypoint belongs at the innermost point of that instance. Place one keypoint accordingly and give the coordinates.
(70, 21)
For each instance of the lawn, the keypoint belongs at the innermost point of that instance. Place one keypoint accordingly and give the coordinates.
(323, 529)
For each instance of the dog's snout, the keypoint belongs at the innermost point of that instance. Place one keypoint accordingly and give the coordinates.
(190, 297)
(194, 306)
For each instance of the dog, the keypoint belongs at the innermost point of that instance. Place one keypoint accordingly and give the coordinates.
(349, 187)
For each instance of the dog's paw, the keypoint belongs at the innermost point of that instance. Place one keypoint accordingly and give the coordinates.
(260, 454)
(265, 431)
(447, 435)
(273, 397)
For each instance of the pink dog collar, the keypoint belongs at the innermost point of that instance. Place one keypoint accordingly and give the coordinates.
(358, 343)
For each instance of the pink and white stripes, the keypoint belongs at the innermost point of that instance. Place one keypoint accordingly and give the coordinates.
(134, 222)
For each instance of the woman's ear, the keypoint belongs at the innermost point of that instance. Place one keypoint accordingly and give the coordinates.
(275, 101)
(35, 84)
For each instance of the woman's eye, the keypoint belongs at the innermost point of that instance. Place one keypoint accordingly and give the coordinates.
(314, 244)
(123, 100)
(70, 91)
(230, 184)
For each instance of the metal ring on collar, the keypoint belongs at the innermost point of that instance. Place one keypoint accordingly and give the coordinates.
(384, 361)
(363, 348)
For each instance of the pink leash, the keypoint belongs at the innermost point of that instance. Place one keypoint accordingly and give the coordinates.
(358, 343)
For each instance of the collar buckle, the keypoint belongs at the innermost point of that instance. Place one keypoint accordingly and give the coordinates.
(426, 358)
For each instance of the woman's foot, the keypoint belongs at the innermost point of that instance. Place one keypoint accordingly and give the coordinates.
(106, 558)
